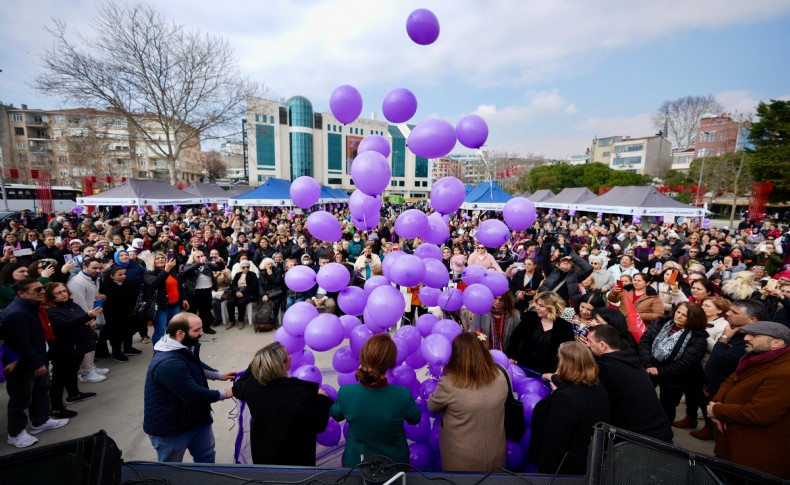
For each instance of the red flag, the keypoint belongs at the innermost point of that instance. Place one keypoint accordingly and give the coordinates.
(635, 324)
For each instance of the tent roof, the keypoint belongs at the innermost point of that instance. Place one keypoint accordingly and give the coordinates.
(273, 192)
(329, 195)
(469, 188)
(487, 195)
(541, 195)
(141, 192)
(639, 200)
(567, 197)
(239, 189)
(211, 193)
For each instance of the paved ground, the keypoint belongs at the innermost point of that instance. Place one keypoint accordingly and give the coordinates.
(118, 407)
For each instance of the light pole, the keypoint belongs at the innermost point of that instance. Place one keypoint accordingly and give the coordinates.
(702, 170)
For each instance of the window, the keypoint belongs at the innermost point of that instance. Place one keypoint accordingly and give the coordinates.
(62, 160)
(605, 142)
(38, 119)
(335, 181)
(17, 117)
(393, 183)
(705, 152)
(19, 131)
(627, 160)
(634, 147)
(401, 183)
(606, 154)
(421, 167)
(264, 140)
(335, 151)
(707, 136)
(257, 119)
(20, 145)
(141, 163)
(59, 119)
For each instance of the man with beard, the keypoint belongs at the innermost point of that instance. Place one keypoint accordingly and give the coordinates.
(177, 412)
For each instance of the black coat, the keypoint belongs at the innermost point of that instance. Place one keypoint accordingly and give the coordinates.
(155, 281)
(272, 282)
(191, 272)
(632, 396)
(520, 347)
(553, 276)
(686, 366)
(722, 362)
(251, 289)
(21, 328)
(72, 335)
(517, 284)
(562, 422)
(287, 414)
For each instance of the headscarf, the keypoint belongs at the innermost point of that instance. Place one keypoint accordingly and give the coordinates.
(118, 261)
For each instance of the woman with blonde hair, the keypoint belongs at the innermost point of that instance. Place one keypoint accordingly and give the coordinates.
(375, 411)
(287, 413)
(535, 341)
(740, 287)
(563, 421)
(471, 397)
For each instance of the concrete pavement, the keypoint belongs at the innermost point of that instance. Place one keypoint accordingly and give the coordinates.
(118, 406)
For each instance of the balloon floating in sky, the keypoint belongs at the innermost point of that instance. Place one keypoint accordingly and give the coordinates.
(346, 103)
(447, 195)
(519, 213)
(305, 192)
(371, 172)
(472, 131)
(399, 105)
(432, 138)
(422, 26)
(377, 143)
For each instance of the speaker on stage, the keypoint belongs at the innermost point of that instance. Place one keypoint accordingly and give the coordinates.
(93, 460)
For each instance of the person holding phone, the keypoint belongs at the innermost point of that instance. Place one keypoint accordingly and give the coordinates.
(367, 261)
(162, 283)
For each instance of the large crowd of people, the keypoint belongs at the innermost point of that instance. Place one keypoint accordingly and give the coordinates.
(607, 310)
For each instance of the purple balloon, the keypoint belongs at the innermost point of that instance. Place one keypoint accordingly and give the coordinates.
(346, 379)
(514, 457)
(472, 131)
(403, 350)
(377, 143)
(448, 328)
(411, 335)
(427, 387)
(517, 372)
(492, 233)
(388, 305)
(324, 226)
(308, 373)
(333, 277)
(308, 357)
(529, 401)
(330, 391)
(349, 322)
(297, 359)
(423, 28)
(478, 299)
(418, 432)
(344, 361)
(305, 192)
(330, 436)
(451, 300)
(524, 443)
(399, 105)
(140, 211)
(421, 456)
(296, 318)
(500, 358)
(411, 223)
(496, 282)
(351, 299)
(364, 207)
(324, 332)
(438, 232)
(403, 375)
(364, 224)
(425, 323)
(389, 261)
(436, 349)
(359, 335)
(408, 271)
(428, 251)
(345, 103)
(371, 173)
(436, 371)
(473, 274)
(519, 213)
(300, 278)
(416, 360)
(447, 195)
(433, 437)
(292, 344)
(432, 138)
(429, 296)
(436, 275)
(374, 282)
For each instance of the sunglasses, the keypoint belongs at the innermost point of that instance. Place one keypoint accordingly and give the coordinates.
(38, 289)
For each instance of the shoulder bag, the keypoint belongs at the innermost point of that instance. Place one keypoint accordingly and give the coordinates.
(515, 427)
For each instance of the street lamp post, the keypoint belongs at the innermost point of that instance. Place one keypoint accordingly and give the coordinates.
(702, 170)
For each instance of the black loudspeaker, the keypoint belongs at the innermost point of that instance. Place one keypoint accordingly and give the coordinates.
(93, 460)
(620, 457)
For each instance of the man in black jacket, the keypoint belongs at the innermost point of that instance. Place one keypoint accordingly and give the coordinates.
(563, 279)
(635, 406)
(28, 384)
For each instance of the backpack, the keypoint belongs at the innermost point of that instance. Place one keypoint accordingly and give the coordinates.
(264, 316)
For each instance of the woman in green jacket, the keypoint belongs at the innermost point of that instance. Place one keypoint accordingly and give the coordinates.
(375, 411)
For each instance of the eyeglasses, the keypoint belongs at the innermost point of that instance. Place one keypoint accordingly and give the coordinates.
(37, 289)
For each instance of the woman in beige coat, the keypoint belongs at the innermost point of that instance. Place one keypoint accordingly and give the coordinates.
(471, 397)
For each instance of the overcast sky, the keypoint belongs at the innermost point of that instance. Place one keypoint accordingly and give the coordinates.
(546, 75)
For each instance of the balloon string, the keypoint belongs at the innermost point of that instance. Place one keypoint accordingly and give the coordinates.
(490, 175)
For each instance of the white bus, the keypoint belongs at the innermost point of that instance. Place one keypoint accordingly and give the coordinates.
(22, 196)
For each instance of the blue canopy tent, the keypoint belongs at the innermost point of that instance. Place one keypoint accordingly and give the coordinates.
(331, 195)
(469, 188)
(273, 192)
(342, 196)
(486, 196)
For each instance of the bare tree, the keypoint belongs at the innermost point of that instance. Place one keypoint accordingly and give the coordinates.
(215, 167)
(679, 118)
(174, 85)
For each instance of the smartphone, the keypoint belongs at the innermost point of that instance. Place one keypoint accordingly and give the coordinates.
(673, 277)
(180, 249)
(659, 266)
(771, 285)
(100, 248)
(97, 303)
(171, 254)
(22, 252)
(67, 258)
(620, 284)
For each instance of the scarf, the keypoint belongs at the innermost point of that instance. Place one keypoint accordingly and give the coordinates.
(49, 335)
(753, 360)
(118, 261)
(664, 342)
(497, 330)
